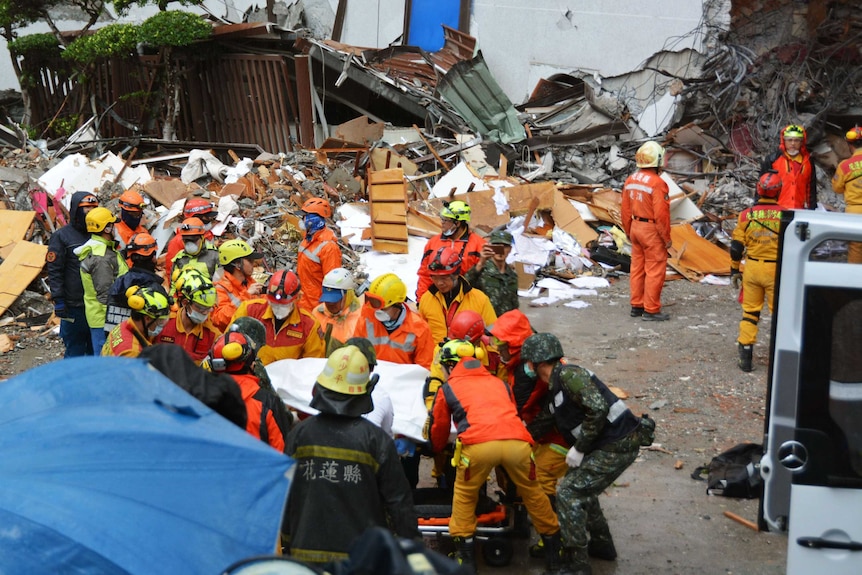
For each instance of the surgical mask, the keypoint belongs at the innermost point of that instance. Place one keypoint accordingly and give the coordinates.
(450, 232)
(192, 248)
(154, 333)
(196, 316)
(529, 372)
(281, 311)
(382, 316)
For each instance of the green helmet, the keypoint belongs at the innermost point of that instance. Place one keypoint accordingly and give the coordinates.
(457, 210)
(151, 302)
(252, 328)
(541, 348)
(367, 348)
(196, 287)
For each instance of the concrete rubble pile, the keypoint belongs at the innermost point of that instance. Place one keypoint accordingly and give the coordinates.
(549, 170)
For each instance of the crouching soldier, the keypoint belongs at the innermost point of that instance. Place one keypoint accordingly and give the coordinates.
(490, 433)
(605, 437)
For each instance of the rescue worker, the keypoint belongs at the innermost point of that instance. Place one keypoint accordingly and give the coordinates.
(141, 252)
(493, 276)
(237, 284)
(339, 308)
(397, 333)
(792, 161)
(848, 181)
(291, 332)
(197, 252)
(101, 265)
(490, 433)
(131, 212)
(509, 333)
(348, 475)
(233, 354)
(456, 234)
(255, 332)
(605, 437)
(189, 326)
(756, 238)
(195, 207)
(449, 294)
(64, 276)
(318, 252)
(646, 221)
(150, 310)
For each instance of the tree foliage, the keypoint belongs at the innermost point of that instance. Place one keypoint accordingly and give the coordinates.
(111, 40)
(174, 28)
(123, 6)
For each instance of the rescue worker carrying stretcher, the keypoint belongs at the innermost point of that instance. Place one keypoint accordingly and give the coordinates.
(605, 437)
(490, 433)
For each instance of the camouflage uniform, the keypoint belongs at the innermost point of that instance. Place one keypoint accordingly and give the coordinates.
(501, 288)
(598, 424)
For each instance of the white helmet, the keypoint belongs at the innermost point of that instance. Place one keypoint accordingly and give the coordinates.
(339, 278)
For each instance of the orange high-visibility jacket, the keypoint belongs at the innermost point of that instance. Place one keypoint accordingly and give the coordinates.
(410, 342)
(315, 259)
(645, 198)
(231, 293)
(469, 247)
(261, 421)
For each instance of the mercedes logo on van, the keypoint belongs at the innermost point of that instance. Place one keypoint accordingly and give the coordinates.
(793, 455)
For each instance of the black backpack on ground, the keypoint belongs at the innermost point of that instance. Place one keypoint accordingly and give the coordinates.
(733, 473)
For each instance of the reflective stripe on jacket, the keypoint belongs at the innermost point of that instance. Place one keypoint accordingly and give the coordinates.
(409, 343)
(315, 259)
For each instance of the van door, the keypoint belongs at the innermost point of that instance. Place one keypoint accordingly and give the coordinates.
(812, 465)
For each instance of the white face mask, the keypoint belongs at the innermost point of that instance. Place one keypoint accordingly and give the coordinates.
(195, 316)
(154, 333)
(281, 311)
(382, 315)
(192, 248)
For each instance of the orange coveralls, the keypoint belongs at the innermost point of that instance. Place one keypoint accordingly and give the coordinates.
(231, 293)
(410, 342)
(848, 181)
(646, 221)
(316, 258)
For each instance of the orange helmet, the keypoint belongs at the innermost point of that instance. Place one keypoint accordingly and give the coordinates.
(89, 201)
(446, 262)
(142, 243)
(467, 325)
(317, 206)
(769, 185)
(283, 287)
(191, 227)
(131, 201)
(197, 206)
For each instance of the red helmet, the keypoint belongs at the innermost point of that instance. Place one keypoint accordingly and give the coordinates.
(131, 201)
(191, 227)
(854, 136)
(769, 185)
(283, 287)
(446, 262)
(141, 243)
(467, 325)
(196, 207)
(232, 353)
(317, 206)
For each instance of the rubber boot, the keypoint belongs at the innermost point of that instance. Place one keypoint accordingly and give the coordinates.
(537, 550)
(575, 562)
(746, 353)
(601, 545)
(553, 553)
(465, 553)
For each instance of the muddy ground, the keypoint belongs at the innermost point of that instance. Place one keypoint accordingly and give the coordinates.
(683, 372)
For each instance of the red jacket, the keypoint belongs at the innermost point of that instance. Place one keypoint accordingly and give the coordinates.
(482, 407)
(469, 247)
(798, 178)
(196, 343)
(645, 197)
(297, 337)
(261, 420)
(125, 341)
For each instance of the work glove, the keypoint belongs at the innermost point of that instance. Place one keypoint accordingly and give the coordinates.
(405, 447)
(60, 308)
(574, 458)
(735, 279)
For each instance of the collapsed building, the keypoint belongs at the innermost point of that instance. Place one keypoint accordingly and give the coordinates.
(270, 115)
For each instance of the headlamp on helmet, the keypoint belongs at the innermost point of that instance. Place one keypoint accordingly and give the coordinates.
(131, 201)
(282, 288)
(446, 262)
(854, 136)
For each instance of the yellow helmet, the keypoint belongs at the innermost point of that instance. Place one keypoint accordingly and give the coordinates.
(457, 210)
(150, 302)
(455, 349)
(196, 287)
(650, 155)
(233, 250)
(385, 291)
(346, 371)
(98, 218)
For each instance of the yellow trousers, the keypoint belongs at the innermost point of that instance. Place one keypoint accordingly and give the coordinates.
(476, 464)
(854, 249)
(758, 281)
(550, 465)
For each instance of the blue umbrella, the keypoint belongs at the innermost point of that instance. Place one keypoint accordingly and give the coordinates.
(108, 467)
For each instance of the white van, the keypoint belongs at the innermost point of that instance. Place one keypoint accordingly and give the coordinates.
(812, 465)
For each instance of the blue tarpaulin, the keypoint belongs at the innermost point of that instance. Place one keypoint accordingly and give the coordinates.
(108, 467)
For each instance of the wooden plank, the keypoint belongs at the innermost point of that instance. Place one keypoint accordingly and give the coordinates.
(14, 225)
(389, 231)
(521, 196)
(387, 192)
(389, 210)
(23, 265)
(697, 256)
(393, 247)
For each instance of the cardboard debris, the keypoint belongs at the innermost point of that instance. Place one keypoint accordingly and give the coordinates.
(698, 257)
(13, 227)
(167, 191)
(23, 265)
(6, 343)
(567, 217)
(361, 130)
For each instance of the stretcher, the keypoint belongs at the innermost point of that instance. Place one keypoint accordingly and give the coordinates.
(494, 527)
